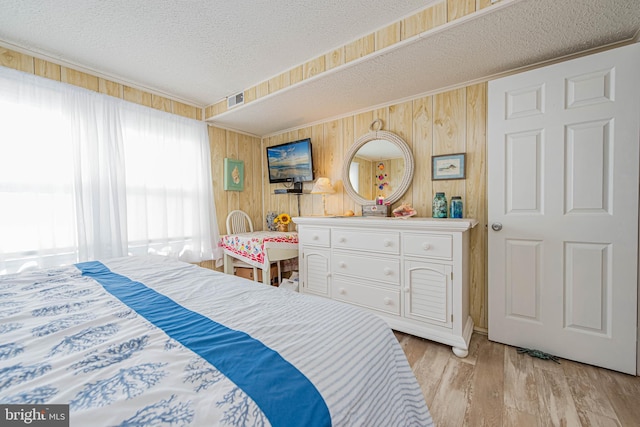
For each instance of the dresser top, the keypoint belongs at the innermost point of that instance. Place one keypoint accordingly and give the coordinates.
(412, 223)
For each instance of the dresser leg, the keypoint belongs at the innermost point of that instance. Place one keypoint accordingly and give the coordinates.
(460, 352)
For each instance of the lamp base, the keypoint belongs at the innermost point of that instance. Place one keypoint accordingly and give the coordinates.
(324, 205)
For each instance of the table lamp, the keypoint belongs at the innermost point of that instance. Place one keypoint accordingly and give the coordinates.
(323, 186)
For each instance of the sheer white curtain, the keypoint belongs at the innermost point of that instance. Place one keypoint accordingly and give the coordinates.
(87, 176)
(170, 207)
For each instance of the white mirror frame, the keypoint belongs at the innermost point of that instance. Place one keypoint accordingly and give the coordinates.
(408, 164)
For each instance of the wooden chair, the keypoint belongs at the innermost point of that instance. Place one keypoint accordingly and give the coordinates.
(239, 222)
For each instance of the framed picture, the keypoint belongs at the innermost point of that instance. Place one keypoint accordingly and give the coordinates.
(449, 166)
(233, 175)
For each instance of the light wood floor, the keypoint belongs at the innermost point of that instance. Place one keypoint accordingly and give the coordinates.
(495, 386)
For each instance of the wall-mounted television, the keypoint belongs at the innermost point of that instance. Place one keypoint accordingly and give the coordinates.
(290, 162)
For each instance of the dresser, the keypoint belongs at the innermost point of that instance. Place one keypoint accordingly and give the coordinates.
(411, 272)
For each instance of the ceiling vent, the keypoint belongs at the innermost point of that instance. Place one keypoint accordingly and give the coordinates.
(235, 100)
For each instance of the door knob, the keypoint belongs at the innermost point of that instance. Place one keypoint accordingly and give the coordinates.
(496, 226)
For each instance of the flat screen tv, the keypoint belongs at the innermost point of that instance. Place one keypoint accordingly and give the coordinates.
(290, 162)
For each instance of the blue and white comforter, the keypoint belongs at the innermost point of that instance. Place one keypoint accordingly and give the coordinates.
(150, 341)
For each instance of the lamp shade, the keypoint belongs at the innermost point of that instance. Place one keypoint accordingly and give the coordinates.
(322, 186)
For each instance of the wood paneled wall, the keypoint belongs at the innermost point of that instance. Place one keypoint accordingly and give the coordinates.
(444, 123)
(40, 67)
(229, 144)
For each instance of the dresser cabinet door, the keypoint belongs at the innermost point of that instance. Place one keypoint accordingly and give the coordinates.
(428, 292)
(317, 274)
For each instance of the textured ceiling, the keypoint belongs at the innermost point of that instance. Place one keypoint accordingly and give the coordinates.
(199, 51)
(509, 36)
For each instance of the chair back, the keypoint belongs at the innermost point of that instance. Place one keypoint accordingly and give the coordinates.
(238, 222)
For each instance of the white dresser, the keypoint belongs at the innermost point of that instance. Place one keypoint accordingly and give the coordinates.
(411, 272)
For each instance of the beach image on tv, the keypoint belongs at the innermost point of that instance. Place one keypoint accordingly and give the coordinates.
(289, 161)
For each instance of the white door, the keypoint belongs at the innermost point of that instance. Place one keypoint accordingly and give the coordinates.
(563, 187)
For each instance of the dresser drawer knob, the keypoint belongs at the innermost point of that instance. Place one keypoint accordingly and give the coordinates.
(426, 246)
(316, 237)
(342, 264)
(387, 271)
(388, 301)
(342, 291)
(342, 239)
(387, 242)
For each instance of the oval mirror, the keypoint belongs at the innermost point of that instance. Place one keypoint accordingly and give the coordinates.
(378, 164)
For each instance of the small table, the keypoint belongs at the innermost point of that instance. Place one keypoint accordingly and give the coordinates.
(259, 249)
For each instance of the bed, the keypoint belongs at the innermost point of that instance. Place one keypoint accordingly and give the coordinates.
(151, 341)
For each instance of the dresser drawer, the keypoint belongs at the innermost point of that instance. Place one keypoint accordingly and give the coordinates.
(367, 267)
(428, 245)
(371, 241)
(316, 236)
(387, 300)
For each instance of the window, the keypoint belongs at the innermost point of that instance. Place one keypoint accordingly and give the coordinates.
(86, 176)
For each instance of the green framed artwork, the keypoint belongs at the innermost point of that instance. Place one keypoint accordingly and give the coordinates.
(233, 175)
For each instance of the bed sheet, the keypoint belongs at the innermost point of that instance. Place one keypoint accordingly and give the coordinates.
(65, 337)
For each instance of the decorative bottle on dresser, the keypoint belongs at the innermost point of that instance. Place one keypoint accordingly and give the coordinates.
(456, 207)
(440, 206)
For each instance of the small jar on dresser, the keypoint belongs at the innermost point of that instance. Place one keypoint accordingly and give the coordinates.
(411, 272)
